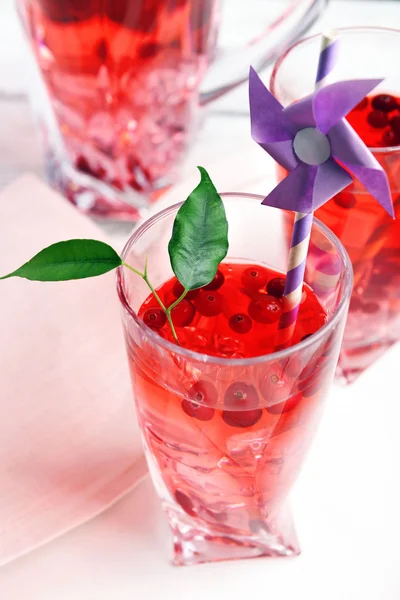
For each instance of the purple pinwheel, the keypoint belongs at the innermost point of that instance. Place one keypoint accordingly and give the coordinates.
(312, 139)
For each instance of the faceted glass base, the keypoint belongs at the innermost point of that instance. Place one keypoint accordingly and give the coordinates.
(194, 544)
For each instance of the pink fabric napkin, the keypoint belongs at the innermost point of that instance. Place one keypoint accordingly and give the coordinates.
(69, 444)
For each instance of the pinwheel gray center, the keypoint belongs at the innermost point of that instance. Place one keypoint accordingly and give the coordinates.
(311, 146)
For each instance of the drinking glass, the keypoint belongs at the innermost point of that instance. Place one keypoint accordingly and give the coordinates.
(370, 236)
(120, 86)
(225, 487)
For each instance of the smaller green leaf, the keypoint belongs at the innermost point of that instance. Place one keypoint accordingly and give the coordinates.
(200, 236)
(73, 259)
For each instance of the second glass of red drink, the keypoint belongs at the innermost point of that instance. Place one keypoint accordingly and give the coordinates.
(370, 236)
(120, 105)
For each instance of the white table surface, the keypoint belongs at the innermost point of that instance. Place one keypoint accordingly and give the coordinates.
(347, 499)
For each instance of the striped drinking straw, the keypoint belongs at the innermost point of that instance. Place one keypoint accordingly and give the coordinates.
(303, 221)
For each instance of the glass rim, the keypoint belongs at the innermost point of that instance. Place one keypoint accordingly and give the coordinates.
(345, 30)
(240, 362)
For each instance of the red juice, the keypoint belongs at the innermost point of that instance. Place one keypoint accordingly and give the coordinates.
(228, 448)
(371, 238)
(123, 76)
(237, 315)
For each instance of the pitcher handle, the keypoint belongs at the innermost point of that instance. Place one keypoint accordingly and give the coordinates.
(262, 50)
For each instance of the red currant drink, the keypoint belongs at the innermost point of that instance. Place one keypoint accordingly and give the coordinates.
(235, 316)
(227, 420)
(369, 235)
(371, 238)
(122, 78)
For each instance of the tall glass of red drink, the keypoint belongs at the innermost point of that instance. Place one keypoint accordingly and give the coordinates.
(226, 418)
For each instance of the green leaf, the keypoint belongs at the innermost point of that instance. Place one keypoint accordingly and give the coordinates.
(73, 259)
(200, 236)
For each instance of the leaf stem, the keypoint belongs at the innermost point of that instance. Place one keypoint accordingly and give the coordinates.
(181, 297)
(166, 310)
(132, 269)
(169, 319)
(157, 297)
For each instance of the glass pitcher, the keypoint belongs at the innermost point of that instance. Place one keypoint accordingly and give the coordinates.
(121, 82)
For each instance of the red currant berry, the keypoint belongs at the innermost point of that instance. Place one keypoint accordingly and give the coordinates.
(209, 303)
(154, 318)
(395, 125)
(82, 164)
(178, 290)
(254, 278)
(244, 418)
(183, 314)
(345, 200)
(195, 410)
(185, 503)
(102, 50)
(201, 394)
(382, 275)
(390, 139)
(265, 309)
(100, 173)
(118, 184)
(240, 395)
(240, 323)
(371, 308)
(217, 282)
(361, 105)
(242, 401)
(276, 287)
(284, 407)
(384, 102)
(355, 304)
(377, 119)
(275, 388)
(148, 50)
